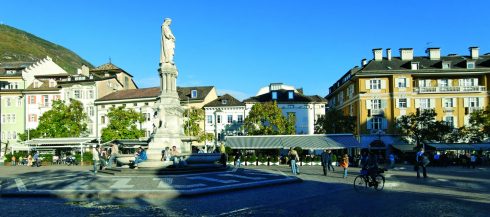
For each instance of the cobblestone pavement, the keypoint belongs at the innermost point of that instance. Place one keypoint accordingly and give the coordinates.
(450, 191)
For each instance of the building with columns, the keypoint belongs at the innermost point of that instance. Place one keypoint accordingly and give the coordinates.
(387, 87)
(306, 109)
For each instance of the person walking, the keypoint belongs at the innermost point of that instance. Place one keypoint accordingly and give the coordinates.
(36, 159)
(29, 160)
(326, 161)
(345, 164)
(95, 157)
(114, 154)
(238, 158)
(293, 155)
(473, 160)
(420, 163)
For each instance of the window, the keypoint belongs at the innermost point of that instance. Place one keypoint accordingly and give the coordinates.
(13, 118)
(32, 99)
(90, 94)
(415, 66)
(425, 83)
(290, 95)
(376, 123)
(224, 102)
(375, 104)
(230, 119)
(240, 118)
(469, 82)
(375, 84)
(274, 95)
(446, 65)
(290, 106)
(402, 103)
(402, 82)
(447, 102)
(350, 90)
(19, 102)
(9, 101)
(14, 135)
(147, 116)
(443, 83)
(8, 118)
(91, 111)
(102, 119)
(76, 94)
(209, 119)
(470, 65)
(32, 118)
(193, 94)
(424, 103)
(218, 119)
(473, 102)
(449, 121)
(46, 100)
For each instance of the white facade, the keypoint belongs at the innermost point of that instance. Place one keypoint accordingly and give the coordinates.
(225, 120)
(86, 93)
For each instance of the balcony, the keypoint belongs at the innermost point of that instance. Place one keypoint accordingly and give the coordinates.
(456, 89)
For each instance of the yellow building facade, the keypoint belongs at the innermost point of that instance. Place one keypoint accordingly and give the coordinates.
(387, 87)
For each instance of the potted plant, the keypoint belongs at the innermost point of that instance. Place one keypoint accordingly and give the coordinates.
(262, 160)
(274, 160)
(308, 160)
(317, 160)
(252, 160)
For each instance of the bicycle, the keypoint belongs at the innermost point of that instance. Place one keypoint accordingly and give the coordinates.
(364, 181)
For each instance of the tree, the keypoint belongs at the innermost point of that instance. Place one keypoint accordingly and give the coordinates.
(267, 119)
(61, 121)
(193, 118)
(334, 121)
(479, 126)
(422, 127)
(123, 124)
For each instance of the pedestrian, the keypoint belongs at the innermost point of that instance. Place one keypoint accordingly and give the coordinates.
(420, 162)
(13, 160)
(36, 159)
(114, 154)
(102, 158)
(238, 158)
(330, 160)
(325, 161)
(392, 160)
(293, 155)
(29, 160)
(437, 157)
(345, 164)
(473, 160)
(95, 157)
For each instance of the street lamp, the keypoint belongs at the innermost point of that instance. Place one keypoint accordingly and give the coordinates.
(216, 113)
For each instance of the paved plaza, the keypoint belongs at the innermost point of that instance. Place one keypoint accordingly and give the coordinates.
(452, 191)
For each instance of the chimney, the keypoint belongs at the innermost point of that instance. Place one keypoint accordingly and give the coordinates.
(434, 53)
(406, 54)
(474, 52)
(85, 70)
(378, 54)
(363, 62)
(388, 53)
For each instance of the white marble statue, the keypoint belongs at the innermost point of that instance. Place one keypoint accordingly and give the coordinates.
(168, 43)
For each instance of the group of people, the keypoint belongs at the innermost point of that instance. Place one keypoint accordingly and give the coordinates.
(173, 155)
(27, 161)
(103, 158)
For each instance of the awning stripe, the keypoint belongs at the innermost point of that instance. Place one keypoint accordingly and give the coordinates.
(287, 141)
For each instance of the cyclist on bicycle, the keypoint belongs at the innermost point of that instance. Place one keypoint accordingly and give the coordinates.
(371, 165)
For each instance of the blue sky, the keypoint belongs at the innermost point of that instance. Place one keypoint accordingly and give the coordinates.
(240, 46)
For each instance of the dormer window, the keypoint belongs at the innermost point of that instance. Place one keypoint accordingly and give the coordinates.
(290, 95)
(470, 64)
(193, 94)
(224, 102)
(415, 65)
(274, 95)
(446, 65)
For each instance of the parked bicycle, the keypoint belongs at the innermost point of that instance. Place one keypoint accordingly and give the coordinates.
(364, 181)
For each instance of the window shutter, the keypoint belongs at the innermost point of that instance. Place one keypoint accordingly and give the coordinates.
(432, 103)
(29, 100)
(465, 102)
(34, 99)
(42, 100)
(421, 83)
(383, 104)
(417, 103)
(368, 104)
(383, 84)
(475, 81)
(450, 82)
(368, 124)
(480, 102)
(460, 82)
(397, 81)
(384, 124)
(408, 102)
(439, 82)
(455, 102)
(408, 82)
(367, 85)
(396, 103)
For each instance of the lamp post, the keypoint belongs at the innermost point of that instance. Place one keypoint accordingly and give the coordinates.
(216, 113)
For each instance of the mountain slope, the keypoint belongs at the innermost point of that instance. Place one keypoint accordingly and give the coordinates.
(18, 45)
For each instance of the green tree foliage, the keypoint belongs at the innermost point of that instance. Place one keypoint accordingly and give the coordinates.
(479, 126)
(123, 124)
(192, 119)
(267, 119)
(334, 121)
(61, 121)
(422, 127)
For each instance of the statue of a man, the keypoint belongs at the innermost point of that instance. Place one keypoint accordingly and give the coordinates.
(168, 43)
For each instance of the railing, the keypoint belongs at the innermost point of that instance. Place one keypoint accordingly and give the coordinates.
(456, 89)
